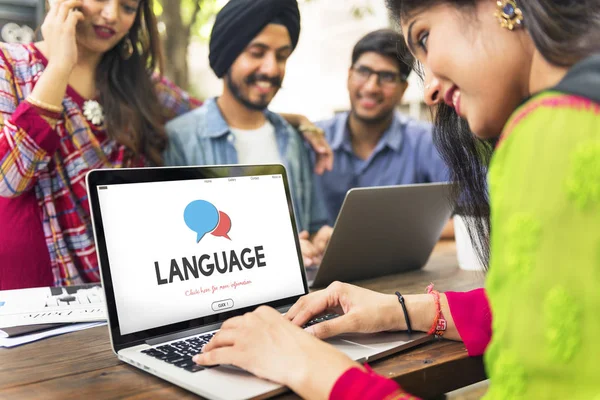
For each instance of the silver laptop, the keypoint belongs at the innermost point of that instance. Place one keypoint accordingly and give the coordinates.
(183, 249)
(384, 230)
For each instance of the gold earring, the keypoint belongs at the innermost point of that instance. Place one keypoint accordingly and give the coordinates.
(126, 49)
(509, 14)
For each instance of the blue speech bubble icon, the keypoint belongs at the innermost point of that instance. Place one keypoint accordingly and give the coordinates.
(201, 217)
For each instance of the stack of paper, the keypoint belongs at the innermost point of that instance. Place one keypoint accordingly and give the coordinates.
(38, 335)
(48, 311)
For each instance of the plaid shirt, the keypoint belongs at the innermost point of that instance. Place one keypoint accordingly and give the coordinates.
(51, 157)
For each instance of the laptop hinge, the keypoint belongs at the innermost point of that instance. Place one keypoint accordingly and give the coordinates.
(196, 331)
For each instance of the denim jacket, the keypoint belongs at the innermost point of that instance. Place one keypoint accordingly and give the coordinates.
(202, 137)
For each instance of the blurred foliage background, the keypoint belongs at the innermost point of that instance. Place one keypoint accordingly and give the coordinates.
(181, 20)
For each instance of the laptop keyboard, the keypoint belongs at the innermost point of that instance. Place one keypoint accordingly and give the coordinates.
(180, 353)
(320, 319)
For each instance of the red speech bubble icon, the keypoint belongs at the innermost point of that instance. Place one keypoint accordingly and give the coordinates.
(223, 227)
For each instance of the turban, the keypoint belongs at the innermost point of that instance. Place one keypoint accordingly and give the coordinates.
(238, 23)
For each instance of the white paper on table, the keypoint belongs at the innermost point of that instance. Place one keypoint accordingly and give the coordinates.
(24, 339)
(49, 305)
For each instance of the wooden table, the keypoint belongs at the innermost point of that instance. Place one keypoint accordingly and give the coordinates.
(82, 365)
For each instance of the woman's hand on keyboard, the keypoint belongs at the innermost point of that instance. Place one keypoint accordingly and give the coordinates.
(361, 311)
(264, 343)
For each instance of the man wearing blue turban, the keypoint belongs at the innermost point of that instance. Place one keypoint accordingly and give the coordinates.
(250, 44)
(239, 22)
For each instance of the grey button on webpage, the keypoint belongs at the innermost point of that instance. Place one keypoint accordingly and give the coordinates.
(222, 305)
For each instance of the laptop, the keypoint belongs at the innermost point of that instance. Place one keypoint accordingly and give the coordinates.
(183, 249)
(384, 230)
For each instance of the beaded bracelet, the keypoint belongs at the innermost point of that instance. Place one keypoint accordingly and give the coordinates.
(440, 324)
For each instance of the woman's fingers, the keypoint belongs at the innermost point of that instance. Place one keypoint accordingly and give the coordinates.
(73, 19)
(65, 7)
(223, 338)
(311, 305)
(52, 7)
(222, 355)
(310, 311)
(302, 304)
(233, 323)
(333, 327)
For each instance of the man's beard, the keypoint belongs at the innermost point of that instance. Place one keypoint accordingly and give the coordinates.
(235, 89)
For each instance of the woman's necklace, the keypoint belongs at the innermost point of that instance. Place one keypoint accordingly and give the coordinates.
(93, 112)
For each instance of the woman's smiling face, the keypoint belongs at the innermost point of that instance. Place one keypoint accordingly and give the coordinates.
(106, 23)
(471, 63)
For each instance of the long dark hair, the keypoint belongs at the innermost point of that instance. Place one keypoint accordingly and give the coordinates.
(126, 87)
(564, 33)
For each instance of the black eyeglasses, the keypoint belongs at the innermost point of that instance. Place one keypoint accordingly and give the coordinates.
(384, 78)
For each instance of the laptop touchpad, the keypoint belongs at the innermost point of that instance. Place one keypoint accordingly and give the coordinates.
(379, 341)
(352, 350)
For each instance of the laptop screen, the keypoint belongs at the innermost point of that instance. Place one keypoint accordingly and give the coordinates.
(185, 249)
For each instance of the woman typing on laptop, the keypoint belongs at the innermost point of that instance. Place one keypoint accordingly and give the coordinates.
(516, 77)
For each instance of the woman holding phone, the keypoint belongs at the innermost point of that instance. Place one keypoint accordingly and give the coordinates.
(85, 97)
(90, 95)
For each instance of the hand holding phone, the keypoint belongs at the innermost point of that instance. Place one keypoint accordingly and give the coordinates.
(59, 32)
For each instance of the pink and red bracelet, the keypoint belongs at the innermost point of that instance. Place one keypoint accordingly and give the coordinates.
(440, 324)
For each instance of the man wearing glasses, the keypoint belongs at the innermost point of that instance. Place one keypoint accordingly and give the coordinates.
(373, 144)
